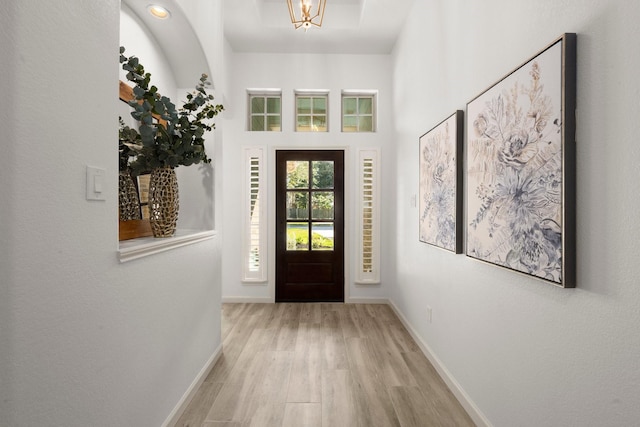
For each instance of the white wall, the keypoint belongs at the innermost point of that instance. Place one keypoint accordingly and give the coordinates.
(84, 340)
(139, 41)
(206, 19)
(525, 352)
(288, 73)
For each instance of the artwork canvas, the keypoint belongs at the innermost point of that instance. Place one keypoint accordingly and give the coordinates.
(520, 169)
(440, 184)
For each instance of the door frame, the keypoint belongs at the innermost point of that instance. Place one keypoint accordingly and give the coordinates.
(348, 212)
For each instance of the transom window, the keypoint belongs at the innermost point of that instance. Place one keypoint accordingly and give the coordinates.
(311, 112)
(265, 112)
(358, 112)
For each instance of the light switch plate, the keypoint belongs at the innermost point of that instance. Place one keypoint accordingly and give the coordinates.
(95, 183)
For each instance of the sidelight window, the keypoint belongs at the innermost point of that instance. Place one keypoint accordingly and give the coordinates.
(368, 270)
(254, 229)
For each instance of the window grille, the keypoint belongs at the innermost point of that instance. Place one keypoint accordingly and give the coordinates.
(312, 112)
(265, 111)
(358, 112)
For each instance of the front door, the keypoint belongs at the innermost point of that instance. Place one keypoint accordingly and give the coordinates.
(309, 225)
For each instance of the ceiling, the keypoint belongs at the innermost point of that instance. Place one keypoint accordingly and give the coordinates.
(187, 63)
(264, 26)
(349, 27)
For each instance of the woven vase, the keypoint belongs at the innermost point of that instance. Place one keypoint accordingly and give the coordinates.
(128, 202)
(163, 202)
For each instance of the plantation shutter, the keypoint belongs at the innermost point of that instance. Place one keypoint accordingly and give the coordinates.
(368, 269)
(254, 229)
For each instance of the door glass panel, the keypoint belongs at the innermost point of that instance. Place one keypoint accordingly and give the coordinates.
(322, 206)
(323, 174)
(297, 236)
(297, 205)
(322, 236)
(297, 174)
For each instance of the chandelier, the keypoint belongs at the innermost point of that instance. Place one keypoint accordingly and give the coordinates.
(311, 13)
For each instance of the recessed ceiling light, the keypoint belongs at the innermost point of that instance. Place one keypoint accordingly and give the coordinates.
(158, 11)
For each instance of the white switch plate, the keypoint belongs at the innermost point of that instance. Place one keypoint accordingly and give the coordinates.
(413, 200)
(95, 183)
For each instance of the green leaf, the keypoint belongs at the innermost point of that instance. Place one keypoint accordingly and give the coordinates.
(138, 92)
(182, 141)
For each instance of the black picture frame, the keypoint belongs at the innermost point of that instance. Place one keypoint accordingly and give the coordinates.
(521, 168)
(440, 194)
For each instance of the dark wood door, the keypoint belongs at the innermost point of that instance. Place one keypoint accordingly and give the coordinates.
(309, 225)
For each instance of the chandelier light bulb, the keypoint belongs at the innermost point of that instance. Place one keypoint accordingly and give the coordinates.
(311, 12)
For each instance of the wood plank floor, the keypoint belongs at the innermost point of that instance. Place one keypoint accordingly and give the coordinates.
(324, 365)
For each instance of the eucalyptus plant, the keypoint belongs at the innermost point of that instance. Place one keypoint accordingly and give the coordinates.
(179, 141)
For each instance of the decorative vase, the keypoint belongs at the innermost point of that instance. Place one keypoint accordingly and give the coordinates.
(128, 202)
(163, 202)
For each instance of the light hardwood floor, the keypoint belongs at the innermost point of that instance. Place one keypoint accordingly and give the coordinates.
(329, 365)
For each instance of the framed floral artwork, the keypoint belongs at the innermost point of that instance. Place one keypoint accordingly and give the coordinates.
(441, 184)
(520, 169)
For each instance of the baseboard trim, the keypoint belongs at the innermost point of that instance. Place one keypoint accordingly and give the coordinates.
(472, 409)
(366, 300)
(266, 300)
(177, 412)
(258, 300)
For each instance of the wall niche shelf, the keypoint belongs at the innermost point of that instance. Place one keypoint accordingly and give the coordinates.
(146, 246)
